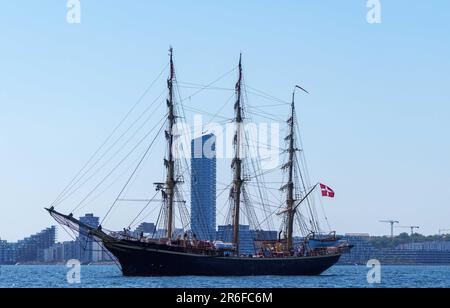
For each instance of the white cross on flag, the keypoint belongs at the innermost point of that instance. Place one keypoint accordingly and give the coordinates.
(326, 191)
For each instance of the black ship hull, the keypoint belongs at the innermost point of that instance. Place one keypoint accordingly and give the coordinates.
(137, 259)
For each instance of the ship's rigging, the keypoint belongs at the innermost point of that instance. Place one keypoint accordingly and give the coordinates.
(254, 197)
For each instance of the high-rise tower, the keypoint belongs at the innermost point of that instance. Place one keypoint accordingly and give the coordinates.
(203, 187)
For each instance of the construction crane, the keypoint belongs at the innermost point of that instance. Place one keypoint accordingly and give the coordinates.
(410, 227)
(392, 223)
(443, 230)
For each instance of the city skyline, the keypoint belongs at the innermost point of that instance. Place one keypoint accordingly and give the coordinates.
(374, 126)
(149, 228)
(44, 247)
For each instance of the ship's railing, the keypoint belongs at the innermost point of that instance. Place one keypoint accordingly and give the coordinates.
(272, 250)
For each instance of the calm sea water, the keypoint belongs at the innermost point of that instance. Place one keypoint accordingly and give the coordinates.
(110, 277)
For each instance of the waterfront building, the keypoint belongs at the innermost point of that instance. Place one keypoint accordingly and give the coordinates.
(203, 187)
(246, 237)
(28, 249)
(146, 228)
(435, 253)
(72, 250)
(90, 220)
(89, 247)
(262, 235)
(162, 233)
(426, 246)
(52, 254)
(8, 253)
(106, 255)
(3, 247)
(42, 247)
(362, 250)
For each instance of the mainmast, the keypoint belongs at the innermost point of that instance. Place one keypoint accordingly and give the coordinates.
(290, 185)
(169, 162)
(237, 161)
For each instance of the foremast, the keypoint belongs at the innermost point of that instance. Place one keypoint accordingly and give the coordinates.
(169, 193)
(237, 160)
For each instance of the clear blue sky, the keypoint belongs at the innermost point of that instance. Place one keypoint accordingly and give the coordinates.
(375, 127)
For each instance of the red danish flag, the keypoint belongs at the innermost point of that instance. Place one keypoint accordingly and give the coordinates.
(327, 191)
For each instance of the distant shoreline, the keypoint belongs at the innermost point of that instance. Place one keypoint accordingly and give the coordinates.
(112, 264)
(57, 264)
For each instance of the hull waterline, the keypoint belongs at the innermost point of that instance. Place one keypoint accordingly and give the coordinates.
(145, 261)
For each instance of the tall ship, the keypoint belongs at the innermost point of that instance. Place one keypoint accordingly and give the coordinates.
(300, 247)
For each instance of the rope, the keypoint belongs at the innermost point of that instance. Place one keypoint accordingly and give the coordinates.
(115, 167)
(70, 193)
(134, 171)
(110, 136)
(145, 207)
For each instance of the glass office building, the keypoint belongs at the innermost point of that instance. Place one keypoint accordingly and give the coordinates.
(246, 237)
(203, 187)
(89, 247)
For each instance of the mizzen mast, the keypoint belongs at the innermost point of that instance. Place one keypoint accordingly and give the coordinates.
(169, 193)
(290, 200)
(237, 161)
(291, 207)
